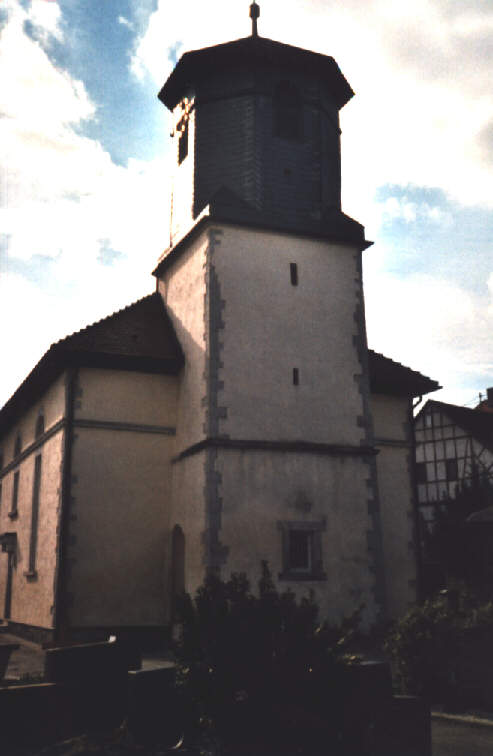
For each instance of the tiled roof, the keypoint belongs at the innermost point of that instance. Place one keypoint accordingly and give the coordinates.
(389, 377)
(139, 337)
(479, 424)
(141, 330)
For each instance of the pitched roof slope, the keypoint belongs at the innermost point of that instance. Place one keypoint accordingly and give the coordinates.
(139, 337)
(479, 424)
(141, 330)
(389, 377)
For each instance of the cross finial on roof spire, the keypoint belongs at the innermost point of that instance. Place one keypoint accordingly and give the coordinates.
(254, 14)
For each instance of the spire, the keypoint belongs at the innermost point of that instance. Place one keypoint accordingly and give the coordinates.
(254, 14)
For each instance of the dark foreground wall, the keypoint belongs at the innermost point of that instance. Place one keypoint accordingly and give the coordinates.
(91, 689)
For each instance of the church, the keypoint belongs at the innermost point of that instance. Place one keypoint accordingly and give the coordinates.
(235, 414)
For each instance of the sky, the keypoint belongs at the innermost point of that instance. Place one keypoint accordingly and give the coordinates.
(85, 164)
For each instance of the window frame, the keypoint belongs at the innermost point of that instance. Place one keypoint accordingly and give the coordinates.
(421, 473)
(33, 539)
(17, 445)
(39, 428)
(14, 512)
(314, 569)
(451, 470)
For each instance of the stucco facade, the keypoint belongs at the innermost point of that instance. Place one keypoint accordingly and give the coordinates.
(244, 328)
(124, 428)
(33, 563)
(236, 415)
(395, 465)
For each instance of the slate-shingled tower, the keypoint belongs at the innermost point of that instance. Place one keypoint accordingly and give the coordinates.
(262, 119)
(275, 456)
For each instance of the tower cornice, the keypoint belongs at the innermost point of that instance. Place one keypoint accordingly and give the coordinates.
(208, 217)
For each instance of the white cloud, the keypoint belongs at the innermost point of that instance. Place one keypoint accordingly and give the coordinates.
(35, 92)
(65, 199)
(185, 26)
(125, 22)
(45, 15)
(421, 115)
(393, 208)
(420, 71)
(431, 325)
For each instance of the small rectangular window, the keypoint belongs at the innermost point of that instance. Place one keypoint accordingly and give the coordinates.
(421, 472)
(293, 269)
(300, 550)
(34, 515)
(15, 495)
(296, 377)
(452, 470)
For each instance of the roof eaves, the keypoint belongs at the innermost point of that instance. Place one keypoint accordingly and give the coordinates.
(65, 353)
(399, 380)
(260, 49)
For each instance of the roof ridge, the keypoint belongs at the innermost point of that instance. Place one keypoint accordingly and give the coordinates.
(458, 406)
(86, 328)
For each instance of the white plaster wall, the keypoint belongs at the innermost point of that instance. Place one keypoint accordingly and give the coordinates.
(51, 404)
(188, 511)
(259, 489)
(183, 292)
(118, 529)
(33, 597)
(394, 460)
(390, 416)
(121, 488)
(116, 395)
(397, 517)
(272, 327)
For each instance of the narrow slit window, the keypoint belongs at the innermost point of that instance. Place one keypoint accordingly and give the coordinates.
(34, 515)
(421, 472)
(15, 495)
(40, 426)
(296, 376)
(183, 141)
(293, 270)
(451, 469)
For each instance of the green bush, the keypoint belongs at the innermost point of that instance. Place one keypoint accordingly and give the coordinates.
(426, 644)
(256, 658)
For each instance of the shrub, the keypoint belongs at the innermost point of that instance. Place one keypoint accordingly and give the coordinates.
(256, 658)
(427, 644)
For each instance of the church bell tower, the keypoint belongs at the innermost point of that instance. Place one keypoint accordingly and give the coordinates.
(275, 457)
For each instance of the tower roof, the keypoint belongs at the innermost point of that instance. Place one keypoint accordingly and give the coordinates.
(253, 52)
